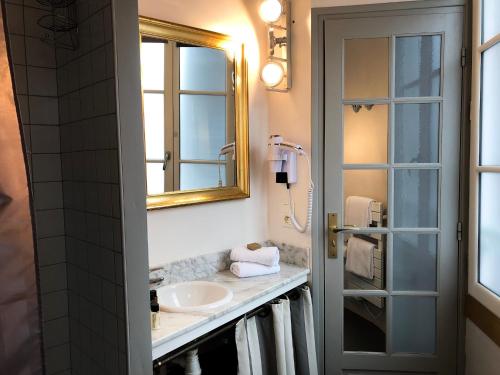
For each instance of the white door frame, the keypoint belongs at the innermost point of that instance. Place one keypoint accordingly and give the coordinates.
(318, 16)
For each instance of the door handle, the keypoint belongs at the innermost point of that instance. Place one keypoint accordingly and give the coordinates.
(332, 234)
(334, 229)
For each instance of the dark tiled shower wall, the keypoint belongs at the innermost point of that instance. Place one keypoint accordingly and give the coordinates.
(68, 111)
(35, 75)
(90, 170)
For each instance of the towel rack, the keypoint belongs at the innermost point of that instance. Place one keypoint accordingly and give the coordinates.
(359, 283)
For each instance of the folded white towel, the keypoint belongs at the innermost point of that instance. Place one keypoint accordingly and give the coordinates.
(360, 257)
(268, 256)
(245, 269)
(358, 211)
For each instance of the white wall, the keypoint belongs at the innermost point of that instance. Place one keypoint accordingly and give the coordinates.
(176, 233)
(290, 116)
(482, 354)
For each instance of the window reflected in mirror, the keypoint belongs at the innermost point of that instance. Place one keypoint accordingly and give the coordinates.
(189, 116)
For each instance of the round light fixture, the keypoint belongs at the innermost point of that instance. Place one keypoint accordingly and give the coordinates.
(270, 10)
(272, 74)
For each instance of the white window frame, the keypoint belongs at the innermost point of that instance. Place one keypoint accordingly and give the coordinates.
(482, 294)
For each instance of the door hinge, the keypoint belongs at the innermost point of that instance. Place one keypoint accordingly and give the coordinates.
(459, 231)
(464, 56)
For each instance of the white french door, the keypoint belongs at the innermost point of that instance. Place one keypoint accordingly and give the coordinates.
(392, 145)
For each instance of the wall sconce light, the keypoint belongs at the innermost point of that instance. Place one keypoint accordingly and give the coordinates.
(276, 74)
(272, 74)
(270, 10)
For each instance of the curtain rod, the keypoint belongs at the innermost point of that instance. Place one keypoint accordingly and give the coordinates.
(225, 327)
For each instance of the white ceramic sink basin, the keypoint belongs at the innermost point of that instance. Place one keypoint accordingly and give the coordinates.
(193, 296)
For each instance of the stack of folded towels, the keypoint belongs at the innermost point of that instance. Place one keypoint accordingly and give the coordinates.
(263, 261)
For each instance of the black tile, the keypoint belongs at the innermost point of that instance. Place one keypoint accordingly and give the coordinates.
(42, 81)
(43, 110)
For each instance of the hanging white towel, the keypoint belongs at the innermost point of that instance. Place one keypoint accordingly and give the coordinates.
(268, 256)
(307, 311)
(282, 325)
(358, 211)
(192, 363)
(246, 269)
(248, 347)
(281, 343)
(360, 255)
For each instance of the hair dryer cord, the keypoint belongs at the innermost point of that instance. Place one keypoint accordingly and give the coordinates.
(310, 195)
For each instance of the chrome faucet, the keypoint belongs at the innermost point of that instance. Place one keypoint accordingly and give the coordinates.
(156, 280)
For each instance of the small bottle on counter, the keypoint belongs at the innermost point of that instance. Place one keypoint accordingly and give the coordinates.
(155, 315)
(153, 296)
(155, 310)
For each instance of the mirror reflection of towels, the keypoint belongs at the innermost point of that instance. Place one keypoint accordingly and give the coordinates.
(360, 257)
(358, 211)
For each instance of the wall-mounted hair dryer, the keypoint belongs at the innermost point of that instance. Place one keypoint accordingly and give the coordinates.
(283, 162)
(225, 150)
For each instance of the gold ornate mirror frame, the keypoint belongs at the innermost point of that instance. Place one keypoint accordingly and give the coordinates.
(165, 30)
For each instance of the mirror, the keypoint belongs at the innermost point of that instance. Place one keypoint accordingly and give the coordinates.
(195, 115)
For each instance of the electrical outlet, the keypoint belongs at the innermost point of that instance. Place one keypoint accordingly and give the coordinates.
(285, 219)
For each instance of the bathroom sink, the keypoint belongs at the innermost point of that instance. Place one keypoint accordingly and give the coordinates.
(193, 296)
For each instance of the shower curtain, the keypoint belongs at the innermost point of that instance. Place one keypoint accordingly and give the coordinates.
(280, 343)
(20, 343)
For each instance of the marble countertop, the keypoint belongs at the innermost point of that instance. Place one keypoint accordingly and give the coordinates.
(178, 329)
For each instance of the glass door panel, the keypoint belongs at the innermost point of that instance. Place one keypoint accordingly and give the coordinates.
(364, 324)
(491, 19)
(418, 66)
(398, 175)
(490, 91)
(359, 275)
(414, 324)
(489, 217)
(415, 261)
(416, 132)
(369, 187)
(365, 133)
(366, 70)
(416, 198)
(365, 192)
